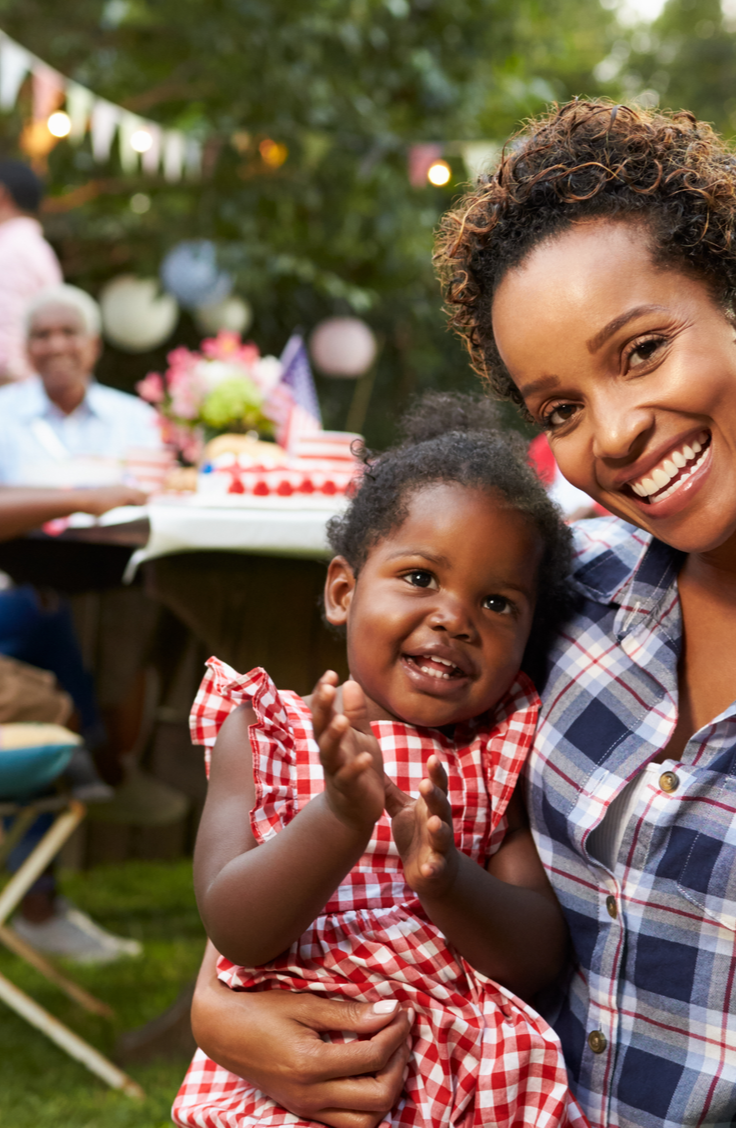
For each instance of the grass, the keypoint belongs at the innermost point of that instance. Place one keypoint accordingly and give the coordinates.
(40, 1087)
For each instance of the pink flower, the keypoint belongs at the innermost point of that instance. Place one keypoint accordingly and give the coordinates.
(228, 346)
(151, 388)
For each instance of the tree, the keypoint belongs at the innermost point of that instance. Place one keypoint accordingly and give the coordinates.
(346, 86)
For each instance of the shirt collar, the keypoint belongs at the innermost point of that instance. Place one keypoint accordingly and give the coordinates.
(636, 575)
(35, 402)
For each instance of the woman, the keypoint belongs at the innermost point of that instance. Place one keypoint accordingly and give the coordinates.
(592, 278)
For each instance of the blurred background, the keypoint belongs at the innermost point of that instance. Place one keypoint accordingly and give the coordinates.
(306, 133)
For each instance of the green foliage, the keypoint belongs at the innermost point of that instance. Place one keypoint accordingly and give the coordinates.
(40, 1087)
(687, 57)
(347, 86)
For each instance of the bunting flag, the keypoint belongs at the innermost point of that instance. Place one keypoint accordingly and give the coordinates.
(15, 63)
(293, 403)
(101, 118)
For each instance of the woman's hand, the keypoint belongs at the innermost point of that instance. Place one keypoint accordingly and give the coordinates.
(423, 832)
(350, 754)
(272, 1038)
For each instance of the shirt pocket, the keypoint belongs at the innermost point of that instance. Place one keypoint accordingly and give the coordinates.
(701, 852)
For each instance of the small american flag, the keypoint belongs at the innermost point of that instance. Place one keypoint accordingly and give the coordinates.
(292, 404)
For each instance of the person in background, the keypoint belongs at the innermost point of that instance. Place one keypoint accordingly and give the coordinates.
(63, 439)
(28, 264)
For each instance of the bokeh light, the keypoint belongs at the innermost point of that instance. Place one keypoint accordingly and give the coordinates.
(439, 173)
(273, 153)
(141, 140)
(59, 124)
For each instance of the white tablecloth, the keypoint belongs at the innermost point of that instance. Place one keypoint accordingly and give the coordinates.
(286, 528)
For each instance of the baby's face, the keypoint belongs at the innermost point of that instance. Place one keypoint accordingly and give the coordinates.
(440, 614)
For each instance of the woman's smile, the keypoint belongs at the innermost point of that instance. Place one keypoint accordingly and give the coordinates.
(629, 365)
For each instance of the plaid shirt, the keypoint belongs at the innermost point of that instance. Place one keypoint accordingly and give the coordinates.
(648, 1021)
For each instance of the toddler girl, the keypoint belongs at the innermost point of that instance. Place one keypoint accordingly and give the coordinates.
(384, 856)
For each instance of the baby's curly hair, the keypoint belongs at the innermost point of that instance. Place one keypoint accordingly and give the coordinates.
(582, 160)
(457, 438)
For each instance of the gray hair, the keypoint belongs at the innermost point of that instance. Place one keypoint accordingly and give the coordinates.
(69, 297)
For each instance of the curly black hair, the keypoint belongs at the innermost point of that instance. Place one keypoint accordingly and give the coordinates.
(582, 160)
(457, 438)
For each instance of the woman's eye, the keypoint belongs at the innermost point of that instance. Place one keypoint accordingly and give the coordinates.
(419, 578)
(559, 414)
(497, 603)
(644, 351)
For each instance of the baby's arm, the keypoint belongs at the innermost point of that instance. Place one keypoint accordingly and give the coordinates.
(256, 902)
(505, 920)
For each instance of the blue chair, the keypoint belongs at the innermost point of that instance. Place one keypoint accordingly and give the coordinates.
(32, 757)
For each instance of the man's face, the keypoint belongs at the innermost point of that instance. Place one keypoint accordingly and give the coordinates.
(61, 350)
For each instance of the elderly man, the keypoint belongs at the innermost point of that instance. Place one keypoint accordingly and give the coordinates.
(61, 428)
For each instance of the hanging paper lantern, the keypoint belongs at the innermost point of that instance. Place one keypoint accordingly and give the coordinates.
(190, 272)
(136, 316)
(234, 315)
(343, 346)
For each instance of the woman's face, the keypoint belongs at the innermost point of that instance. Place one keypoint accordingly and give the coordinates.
(631, 368)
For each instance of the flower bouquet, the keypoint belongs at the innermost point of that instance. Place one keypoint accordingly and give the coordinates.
(223, 388)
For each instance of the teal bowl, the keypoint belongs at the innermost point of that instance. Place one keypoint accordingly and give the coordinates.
(26, 771)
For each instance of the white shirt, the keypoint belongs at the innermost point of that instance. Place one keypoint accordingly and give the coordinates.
(41, 446)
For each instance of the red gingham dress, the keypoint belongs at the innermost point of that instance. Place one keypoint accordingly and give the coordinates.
(480, 1055)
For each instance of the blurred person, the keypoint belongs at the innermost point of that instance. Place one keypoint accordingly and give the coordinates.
(574, 503)
(28, 264)
(60, 427)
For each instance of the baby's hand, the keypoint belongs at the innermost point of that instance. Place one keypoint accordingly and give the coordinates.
(350, 754)
(423, 832)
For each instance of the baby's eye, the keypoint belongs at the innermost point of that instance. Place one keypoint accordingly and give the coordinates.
(420, 578)
(498, 603)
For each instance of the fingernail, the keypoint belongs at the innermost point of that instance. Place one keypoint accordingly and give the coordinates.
(411, 1015)
(385, 1006)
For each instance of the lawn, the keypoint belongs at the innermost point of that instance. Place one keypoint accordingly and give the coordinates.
(40, 1087)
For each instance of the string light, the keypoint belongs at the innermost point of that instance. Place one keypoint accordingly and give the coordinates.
(59, 124)
(273, 153)
(141, 141)
(439, 173)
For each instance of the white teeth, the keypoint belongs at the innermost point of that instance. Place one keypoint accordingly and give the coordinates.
(670, 468)
(434, 673)
(442, 660)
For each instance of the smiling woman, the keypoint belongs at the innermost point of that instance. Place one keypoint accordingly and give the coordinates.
(592, 276)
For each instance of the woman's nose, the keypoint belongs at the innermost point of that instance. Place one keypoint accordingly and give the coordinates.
(619, 429)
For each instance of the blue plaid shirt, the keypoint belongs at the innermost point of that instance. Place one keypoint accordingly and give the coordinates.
(648, 1019)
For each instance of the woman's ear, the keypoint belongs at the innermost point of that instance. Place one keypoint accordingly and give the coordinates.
(339, 588)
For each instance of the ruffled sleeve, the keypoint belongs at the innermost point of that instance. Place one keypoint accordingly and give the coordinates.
(514, 725)
(272, 737)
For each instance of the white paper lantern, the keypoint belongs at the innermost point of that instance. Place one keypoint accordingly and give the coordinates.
(234, 314)
(343, 346)
(136, 316)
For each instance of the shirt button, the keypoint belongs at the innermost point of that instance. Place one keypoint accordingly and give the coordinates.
(611, 906)
(597, 1041)
(668, 781)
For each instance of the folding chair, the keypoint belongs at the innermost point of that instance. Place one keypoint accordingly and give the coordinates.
(25, 771)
